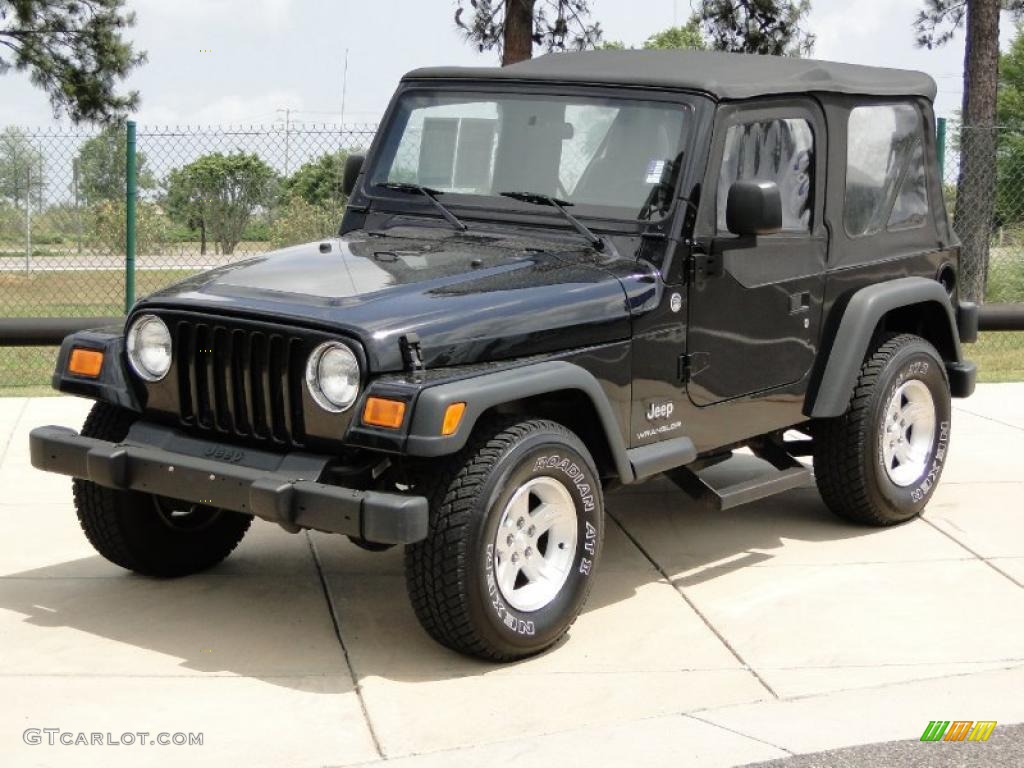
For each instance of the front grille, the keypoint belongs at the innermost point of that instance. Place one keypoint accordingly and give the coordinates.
(244, 382)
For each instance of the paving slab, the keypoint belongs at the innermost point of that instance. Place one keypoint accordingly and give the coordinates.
(11, 409)
(865, 624)
(22, 483)
(863, 632)
(795, 528)
(638, 650)
(670, 741)
(52, 545)
(307, 721)
(978, 451)
(1000, 402)
(202, 625)
(1011, 566)
(987, 519)
(889, 713)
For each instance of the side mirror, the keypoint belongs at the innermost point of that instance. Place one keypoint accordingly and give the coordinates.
(353, 165)
(754, 208)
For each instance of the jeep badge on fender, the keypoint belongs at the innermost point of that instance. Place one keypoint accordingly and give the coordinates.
(549, 279)
(660, 411)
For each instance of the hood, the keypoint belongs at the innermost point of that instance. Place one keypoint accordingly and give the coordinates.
(470, 298)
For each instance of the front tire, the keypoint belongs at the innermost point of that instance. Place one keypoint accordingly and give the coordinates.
(880, 462)
(516, 527)
(148, 534)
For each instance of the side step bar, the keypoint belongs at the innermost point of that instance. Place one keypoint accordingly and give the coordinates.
(740, 493)
(790, 474)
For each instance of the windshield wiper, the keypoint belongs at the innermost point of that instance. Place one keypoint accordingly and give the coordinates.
(430, 194)
(559, 205)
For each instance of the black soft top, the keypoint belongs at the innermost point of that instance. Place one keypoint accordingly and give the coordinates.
(723, 75)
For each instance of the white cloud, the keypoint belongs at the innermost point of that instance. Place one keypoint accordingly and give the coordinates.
(196, 14)
(225, 110)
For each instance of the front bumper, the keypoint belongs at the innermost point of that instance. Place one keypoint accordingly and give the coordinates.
(281, 488)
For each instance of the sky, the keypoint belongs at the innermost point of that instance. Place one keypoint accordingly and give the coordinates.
(243, 62)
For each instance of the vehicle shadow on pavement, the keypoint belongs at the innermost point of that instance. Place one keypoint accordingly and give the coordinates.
(276, 626)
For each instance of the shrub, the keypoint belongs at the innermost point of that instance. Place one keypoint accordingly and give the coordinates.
(299, 222)
(106, 227)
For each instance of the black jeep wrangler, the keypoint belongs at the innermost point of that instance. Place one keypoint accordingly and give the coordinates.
(575, 272)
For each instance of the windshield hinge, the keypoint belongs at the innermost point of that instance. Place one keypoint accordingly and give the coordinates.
(701, 265)
(691, 364)
(412, 354)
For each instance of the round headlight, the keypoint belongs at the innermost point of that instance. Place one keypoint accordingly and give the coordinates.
(149, 347)
(332, 376)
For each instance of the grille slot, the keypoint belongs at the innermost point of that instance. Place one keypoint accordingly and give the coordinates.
(240, 381)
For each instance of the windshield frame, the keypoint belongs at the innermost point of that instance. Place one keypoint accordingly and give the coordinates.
(501, 209)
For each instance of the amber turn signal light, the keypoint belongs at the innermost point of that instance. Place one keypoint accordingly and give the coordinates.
(85, 362)
(380, 412)
(452, 417)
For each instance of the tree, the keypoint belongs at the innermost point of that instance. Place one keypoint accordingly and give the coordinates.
(1010, 119)
(771, 27)
(976, 177)
(101, 167)
(73, 50)
(318, 182)
(217, 194)
(514, 26)
(21, 169)
(687, 37)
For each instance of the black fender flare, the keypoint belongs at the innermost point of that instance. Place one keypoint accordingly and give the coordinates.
(481, 393)
(863, 312)
(114, 384)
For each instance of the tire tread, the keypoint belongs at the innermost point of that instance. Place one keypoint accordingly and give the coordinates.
(841, 443)
(436, 568)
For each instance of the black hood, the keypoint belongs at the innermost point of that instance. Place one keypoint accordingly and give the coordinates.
(470, 298)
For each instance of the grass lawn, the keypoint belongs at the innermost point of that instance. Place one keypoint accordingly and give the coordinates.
(26, 371)
(185, 250)
(999, 356)
(1005, 276)
(93, 293)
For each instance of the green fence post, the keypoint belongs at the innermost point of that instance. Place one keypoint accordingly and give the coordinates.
(130, 195)
(940, 145)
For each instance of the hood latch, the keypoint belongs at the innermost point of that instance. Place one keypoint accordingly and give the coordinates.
(412, 353)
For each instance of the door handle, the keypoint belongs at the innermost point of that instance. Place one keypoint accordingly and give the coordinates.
(799, 302)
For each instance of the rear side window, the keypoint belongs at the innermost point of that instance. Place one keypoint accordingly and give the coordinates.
(886, 185)
(779, 150)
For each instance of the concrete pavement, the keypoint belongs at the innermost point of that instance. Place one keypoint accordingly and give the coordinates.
(724, 639)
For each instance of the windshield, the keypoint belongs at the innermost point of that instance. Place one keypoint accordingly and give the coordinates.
(613, 158)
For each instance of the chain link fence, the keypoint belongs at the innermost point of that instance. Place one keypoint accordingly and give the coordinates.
(210, 196)
(206, 197)
(983, 188)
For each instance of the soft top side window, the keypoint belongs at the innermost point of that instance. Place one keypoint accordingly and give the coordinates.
(779, 150)
(886, 183)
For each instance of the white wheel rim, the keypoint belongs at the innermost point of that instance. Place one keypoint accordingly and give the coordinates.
(535, 545)
(908, 432)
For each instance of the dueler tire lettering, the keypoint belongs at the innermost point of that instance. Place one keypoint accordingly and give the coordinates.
(849, 463)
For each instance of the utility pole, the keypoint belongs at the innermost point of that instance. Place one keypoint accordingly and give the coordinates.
(287, 137)
(78, 204)
(344, 92)
(28, 216)
(344, 88)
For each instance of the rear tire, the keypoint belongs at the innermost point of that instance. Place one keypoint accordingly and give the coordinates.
(516, 526)
(879, 463)
(148, 534)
